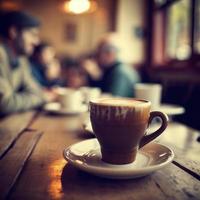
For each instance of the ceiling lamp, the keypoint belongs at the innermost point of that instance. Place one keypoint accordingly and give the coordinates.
(79, 6)
(10, 5)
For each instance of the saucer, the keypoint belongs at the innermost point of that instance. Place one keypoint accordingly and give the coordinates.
(55, 108)
(171, 109)
(86, 156)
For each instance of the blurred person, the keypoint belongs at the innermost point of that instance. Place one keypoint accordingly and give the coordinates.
(75, 75)
(45, 67)
(108, 72)
(19, 34)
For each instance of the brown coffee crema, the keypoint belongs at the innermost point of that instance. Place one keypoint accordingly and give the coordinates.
(121, 110)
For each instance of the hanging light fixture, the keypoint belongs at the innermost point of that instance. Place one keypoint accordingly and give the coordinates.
(79, 6)
(10, 5)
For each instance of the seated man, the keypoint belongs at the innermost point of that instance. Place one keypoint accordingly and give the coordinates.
(18, 90)
(108, 73)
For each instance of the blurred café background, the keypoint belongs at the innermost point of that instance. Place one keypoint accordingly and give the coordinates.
(159, 38)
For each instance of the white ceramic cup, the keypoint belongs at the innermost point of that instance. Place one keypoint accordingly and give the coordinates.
(90, 93)
(150, 92)
(70, 99)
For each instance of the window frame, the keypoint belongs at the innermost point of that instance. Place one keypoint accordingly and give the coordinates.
(161, 11)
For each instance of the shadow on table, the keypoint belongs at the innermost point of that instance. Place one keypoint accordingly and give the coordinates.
(83, 134)
(75, 182)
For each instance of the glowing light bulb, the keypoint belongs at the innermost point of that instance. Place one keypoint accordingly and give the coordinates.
(78, 6)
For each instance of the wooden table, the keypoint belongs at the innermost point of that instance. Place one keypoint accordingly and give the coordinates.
(32, 165)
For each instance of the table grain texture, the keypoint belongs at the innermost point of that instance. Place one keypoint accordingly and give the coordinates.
(32, 165)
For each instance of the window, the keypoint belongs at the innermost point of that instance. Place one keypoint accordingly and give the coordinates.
(178, 31)
(197, 26)
(175, 31)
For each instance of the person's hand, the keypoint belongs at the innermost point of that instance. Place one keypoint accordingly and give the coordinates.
(92, 68)
(50, 95)
(53, 70)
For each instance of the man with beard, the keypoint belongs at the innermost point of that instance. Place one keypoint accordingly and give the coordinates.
(19, 33)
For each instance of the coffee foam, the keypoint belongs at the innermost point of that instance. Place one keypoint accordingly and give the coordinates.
(121, 102)
(102, 108)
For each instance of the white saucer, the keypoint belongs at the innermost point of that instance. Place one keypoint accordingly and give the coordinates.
(55, 108)
(171, 109)
(86, 156)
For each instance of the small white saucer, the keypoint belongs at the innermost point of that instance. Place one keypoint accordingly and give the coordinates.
(86, 156)
(55, 108)
(171, 109)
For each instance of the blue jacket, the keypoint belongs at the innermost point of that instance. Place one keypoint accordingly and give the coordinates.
(38, 73)
(119, 80)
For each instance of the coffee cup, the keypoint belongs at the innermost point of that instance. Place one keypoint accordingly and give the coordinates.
(70, 99)
(149, 91)
(120, 125)
(90, 93)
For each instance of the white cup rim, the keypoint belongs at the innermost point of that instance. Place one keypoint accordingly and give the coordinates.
(147, 85)
(100, 103)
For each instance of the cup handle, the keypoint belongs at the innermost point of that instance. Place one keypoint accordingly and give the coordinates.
(148, 138)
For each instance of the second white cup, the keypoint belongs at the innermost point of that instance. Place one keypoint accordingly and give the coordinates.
(150, 92)
(70, 99)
